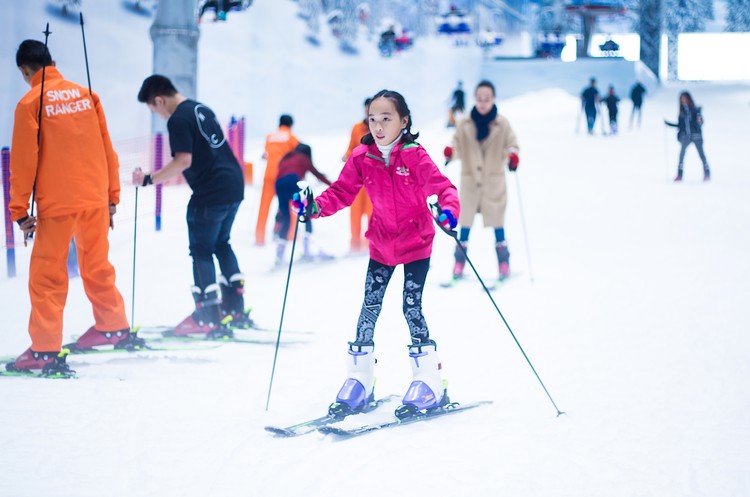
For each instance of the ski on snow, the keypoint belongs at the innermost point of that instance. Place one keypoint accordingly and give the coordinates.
(493, 285)
(451, 408)
(311, 425)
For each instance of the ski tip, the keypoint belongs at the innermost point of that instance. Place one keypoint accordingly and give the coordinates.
(333, 430)
(280, 432)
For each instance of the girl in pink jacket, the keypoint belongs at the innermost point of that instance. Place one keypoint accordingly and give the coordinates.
(398, 176)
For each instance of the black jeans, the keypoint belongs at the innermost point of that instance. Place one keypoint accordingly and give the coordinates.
(209, 227)
(378, 276)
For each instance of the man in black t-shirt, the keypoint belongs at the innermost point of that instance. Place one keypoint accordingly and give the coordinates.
(201, 154)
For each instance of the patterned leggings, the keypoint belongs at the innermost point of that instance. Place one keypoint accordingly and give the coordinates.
(378, 276)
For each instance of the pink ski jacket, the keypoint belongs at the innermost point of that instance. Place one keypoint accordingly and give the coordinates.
(401, 227)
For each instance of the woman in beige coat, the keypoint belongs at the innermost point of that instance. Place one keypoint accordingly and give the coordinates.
(485, 143)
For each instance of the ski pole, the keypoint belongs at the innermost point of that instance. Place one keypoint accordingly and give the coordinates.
(666, 151)
(46, 32)
(436, 207)
(283, 307)
(85, 55)
(135, 244)
(523, 225)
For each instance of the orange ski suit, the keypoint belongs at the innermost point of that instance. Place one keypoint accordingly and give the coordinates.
(76, 172)
(278, 144)
(361, 205)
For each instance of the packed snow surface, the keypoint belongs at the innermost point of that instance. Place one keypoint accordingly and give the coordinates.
(629, 298)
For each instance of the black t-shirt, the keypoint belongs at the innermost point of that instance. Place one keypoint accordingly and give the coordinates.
(214, 174)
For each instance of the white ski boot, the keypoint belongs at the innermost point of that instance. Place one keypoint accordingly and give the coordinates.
(427, 390)
(358, 389)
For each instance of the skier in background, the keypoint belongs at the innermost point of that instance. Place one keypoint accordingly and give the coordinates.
(292, 168)
(636, 95)
(485, 143)
(65, 162)
(458, 105)
(611, 101)
(361, 207)
(689, 130)
(202, 155)
(398, 175)
(590, 104)
(278, 144)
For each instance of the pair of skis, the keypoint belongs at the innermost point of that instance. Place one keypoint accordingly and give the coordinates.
(493, 285)
(328, 424)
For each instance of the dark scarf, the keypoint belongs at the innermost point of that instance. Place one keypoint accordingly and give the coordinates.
(483, 122)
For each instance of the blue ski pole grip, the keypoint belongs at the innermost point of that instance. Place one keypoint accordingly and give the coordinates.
(438, 211)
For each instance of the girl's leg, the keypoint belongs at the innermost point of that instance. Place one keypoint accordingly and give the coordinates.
(463, 238)
(415, 274)
(376, 282)
(699, 145)
(683, 146)
(426, 390)
(503, 255)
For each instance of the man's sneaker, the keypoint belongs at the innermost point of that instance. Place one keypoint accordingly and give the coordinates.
(120, 339)
(207, 314)
(240, 320)
(706, 175)
(220, 333)
(678, 178)
(191, 326)
(50, 363)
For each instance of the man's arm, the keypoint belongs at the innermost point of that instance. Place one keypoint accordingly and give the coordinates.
(174, 168)
(24, 157)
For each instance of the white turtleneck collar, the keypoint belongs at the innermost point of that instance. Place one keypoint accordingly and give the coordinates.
(386, 149)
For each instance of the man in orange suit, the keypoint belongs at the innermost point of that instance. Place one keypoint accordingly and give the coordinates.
(361, 206)
(62, 157)
(278, 144)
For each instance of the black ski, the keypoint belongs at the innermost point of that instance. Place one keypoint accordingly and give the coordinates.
(451, 408)
(310, 426)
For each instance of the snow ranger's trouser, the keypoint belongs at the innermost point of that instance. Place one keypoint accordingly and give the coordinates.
(266, 198)
(209, 227)
(378, 276)
(48, 275)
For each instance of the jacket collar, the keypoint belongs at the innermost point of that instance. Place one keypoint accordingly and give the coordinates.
(50, 72)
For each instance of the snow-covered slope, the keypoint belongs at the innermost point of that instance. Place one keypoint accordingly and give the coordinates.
(634, 319)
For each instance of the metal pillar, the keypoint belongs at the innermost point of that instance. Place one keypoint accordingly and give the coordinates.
(175, 36)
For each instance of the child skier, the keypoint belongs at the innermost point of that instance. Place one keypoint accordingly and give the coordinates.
(292, 168)
(398, 175)
(612, 100)
(689, 130)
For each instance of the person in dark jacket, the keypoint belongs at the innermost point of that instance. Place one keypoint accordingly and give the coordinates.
(689, 124)
(636, 95)
(590, 103)
(292, 168)
(612, 100)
